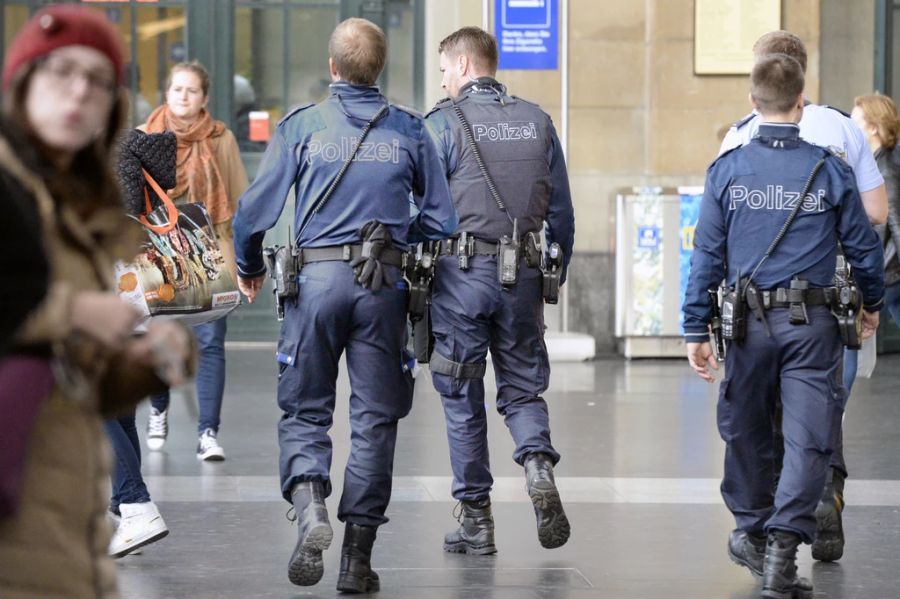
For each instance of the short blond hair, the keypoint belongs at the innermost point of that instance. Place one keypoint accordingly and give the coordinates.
(881, 112)
(781, 42)
(475, 43)
(358, 48)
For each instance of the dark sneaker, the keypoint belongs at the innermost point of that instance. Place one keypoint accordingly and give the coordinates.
(208, 448)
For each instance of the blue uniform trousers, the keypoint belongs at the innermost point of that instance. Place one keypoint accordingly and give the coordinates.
(471, 313)
(801, 363)
(334, 314)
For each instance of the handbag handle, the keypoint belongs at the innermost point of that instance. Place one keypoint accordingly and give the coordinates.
(171, 209)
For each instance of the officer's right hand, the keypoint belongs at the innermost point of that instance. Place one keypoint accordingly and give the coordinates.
(250, 287)
(700, 355)
(869, 323)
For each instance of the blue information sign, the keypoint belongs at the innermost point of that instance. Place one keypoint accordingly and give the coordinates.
(527, 32)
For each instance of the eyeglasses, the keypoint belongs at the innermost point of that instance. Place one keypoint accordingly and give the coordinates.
(63, 73)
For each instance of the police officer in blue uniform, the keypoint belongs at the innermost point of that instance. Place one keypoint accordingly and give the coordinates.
(791, 342)
(484, 134)
(352, 296)
(830, 128)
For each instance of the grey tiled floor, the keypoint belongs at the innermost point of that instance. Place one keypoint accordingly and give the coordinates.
(641, 459)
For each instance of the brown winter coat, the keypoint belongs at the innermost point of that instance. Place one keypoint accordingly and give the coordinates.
(55, 546)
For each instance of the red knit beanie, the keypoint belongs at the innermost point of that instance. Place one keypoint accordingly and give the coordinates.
(63, 25)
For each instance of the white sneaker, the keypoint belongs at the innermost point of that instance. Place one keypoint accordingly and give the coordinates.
(208, 449)
(140, 525)
(157, 429)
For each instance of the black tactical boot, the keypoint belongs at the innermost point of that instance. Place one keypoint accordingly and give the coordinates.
(356, 574)
(475, 534)
(314, 534)
(829, 543)
(552, 524)
(747, 550)
(780, 580)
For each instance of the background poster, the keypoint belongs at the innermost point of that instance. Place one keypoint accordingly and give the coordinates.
(690, 213)
(647, 298)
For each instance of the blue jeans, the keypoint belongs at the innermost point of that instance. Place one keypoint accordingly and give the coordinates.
(127, 483)
(210, 375)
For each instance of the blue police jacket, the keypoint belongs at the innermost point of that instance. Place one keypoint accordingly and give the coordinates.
(522, 153)
(748, 195)
(309, 147)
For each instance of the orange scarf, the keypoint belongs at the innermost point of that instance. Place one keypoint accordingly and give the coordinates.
(196, 170)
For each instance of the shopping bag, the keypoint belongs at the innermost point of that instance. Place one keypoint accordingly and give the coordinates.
(180, 272)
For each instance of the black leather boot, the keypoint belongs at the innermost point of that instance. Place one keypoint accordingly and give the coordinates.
(780, 580)
(747, 550)
(552, 524)
(829, 543)
(356, 574)
(475, 534)
(314, 534)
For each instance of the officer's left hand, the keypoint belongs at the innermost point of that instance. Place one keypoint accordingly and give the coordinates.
(869, 324)
(700, 355)
(249, 287)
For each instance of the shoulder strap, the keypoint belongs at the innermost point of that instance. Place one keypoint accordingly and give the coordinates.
(792, 216)
(171, 209)
(337, 179)
(470, 138)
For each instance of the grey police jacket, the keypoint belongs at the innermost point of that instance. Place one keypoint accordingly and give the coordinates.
(522, 153)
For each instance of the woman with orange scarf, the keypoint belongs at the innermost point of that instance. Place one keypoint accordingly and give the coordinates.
(208, 171)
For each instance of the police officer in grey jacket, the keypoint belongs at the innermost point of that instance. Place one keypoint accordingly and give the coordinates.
(508, 181)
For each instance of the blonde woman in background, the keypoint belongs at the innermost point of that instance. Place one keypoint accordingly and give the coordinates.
(209, 171)
(879, 120)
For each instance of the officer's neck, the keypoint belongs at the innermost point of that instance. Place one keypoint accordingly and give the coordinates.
(780, 119)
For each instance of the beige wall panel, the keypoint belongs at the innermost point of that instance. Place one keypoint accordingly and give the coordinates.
(685, 141)
(608, 74)
(671, 19)
(540, 87)
(674, 85)
(610, 140)
(607, 20)
(801, 17)
(594, 198)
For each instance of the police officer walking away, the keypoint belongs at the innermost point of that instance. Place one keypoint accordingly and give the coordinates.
(508, 178)
(772, 215)
(830, 128)
(353, 160)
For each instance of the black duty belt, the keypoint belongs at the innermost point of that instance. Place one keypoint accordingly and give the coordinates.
(346, 253)
(450, 247)
(783, 298)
